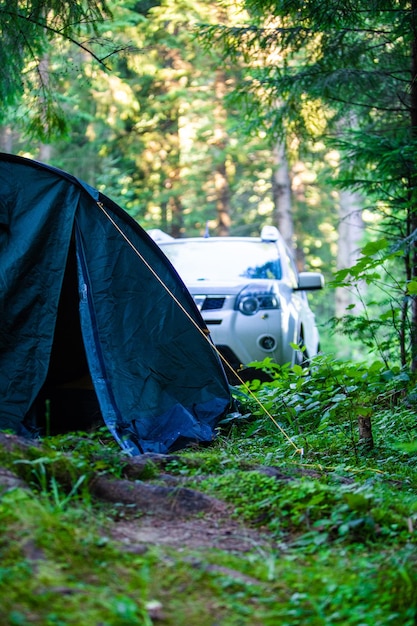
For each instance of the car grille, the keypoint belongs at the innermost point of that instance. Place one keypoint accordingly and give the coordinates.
(212, 303)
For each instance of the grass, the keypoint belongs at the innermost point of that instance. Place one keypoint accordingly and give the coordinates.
(340, 521)
(61, 569)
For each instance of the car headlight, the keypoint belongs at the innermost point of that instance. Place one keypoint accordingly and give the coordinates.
(250, 302)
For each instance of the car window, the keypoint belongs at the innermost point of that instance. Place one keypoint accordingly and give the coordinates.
(224, 260)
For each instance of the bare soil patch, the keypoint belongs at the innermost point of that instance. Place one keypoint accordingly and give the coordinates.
(164, 511)
(208, 532)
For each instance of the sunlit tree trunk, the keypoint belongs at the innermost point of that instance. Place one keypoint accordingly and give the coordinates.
(222, 200)
(45, 152)
(281, 192)
(6, 139)
(177, 218)
(172, 210)
(350, 231)
(220, 140)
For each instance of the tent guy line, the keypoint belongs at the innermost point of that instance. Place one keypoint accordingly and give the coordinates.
(204, 332)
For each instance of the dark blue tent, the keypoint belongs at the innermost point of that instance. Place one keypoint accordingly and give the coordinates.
(93, 312)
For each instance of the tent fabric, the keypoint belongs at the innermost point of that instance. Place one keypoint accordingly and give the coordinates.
(84, 291)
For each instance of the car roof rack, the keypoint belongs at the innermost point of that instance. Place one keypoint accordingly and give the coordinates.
(269, 233)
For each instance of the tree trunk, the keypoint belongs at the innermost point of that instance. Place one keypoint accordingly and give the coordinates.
(177, 218)
(350, 232)
(220, 140)
(222, 200)
(281, 194)
(6, 139)
(365, 432)
(45, 152)
(173, 210)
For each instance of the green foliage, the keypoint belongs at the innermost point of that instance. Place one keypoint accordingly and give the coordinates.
(152, 132)
(323, 53)
(49, 485)
(318, 511)
(383, 323)
(51, 561)
(331, 395)
(314, 75)
(29, 32)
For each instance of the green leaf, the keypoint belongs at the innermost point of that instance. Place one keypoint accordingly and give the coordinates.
(409, 447)
(412, 287)
(373, 247)
(357, 502)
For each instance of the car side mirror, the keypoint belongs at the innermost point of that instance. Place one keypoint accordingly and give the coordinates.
(310, 281)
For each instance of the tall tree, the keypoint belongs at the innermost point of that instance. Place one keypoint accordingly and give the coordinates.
(219, 141)
(281, 193)
(350, 240)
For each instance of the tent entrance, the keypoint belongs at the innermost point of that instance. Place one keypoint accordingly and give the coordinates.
(67, 400)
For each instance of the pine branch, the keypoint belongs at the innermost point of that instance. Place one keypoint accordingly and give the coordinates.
(65, 35)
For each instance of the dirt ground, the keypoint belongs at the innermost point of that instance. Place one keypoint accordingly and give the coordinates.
(208, 532)
(163, 512)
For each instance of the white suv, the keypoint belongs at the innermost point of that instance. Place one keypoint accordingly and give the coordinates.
(250, 294)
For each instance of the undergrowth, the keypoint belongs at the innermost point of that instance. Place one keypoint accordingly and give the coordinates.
(336, 519)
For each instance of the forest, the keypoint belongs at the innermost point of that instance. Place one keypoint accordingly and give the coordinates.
(200, 116)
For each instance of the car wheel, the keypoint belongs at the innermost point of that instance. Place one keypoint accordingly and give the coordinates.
(247, 374)
(301, 357)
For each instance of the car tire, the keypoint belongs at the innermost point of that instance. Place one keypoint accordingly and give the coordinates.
(301, 357)
(248, 374)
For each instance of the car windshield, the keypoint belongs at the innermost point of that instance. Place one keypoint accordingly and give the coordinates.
(223, 260)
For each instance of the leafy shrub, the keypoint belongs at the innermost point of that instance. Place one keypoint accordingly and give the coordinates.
(316, 510)
(331, 395)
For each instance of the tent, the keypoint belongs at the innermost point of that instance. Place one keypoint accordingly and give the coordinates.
(96, 325)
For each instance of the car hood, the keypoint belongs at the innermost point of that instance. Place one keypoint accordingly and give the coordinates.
(225, 288)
